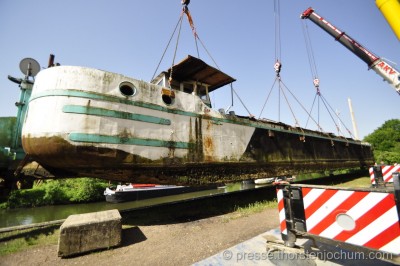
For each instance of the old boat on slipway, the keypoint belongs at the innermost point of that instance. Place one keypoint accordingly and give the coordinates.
(89, 122)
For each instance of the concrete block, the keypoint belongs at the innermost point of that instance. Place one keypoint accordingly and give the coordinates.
(82, 233)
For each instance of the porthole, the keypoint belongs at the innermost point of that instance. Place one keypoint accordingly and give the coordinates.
(167, 96)
(167, 99)
(127, 89)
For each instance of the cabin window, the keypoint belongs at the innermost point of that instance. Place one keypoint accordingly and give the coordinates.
(188, 87)
(204, 96)
(161, 82)
(127, 88)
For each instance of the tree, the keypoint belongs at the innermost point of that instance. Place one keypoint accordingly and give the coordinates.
(385, 142)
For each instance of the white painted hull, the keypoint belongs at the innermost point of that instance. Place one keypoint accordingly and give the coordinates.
(48, 118)
(79, 123)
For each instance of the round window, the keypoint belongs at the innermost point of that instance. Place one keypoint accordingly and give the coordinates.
(167, 99)
(127, 89)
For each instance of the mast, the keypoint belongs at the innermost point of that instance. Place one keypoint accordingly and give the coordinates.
(353, 120)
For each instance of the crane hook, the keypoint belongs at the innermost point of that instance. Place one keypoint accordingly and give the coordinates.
(277, 67)
(185, 4)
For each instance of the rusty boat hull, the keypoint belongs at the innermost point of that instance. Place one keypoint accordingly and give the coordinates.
(89, 122)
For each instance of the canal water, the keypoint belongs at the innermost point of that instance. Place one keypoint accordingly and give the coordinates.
(23, 216)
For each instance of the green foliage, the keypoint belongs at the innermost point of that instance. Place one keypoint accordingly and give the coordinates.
(358, 182)
(86, 190)
(386, 142)
(26, 198)
(387, 157)
(256, 207)
(51, 192)
(22, 240)
(54, 193)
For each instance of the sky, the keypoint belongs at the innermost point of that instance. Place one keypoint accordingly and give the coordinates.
(129, 37)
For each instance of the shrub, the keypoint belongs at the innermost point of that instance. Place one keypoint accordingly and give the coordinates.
(26, 198)
(63, 191)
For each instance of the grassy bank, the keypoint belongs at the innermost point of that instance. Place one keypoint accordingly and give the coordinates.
(12, 242)
(359, 182)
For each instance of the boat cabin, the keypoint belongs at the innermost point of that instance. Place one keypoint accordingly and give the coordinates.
(194, 76)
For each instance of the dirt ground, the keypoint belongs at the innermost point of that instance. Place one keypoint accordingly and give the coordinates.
(168, 244)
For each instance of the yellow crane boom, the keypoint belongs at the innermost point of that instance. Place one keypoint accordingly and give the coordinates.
(391, 11)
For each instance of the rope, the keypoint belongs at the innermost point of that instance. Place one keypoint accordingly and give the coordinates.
(313, 68)
(277, 12)
(166, 48)
(327, 103)
(277, 64)
(242, 103)
(190, 19)
(301, 106)
(310, 52)
(196, 36)
(215, 63)
(312, 107)
(279, 99)
(269, 94)
(231, 94)
(314, 76)
(185, 10)
(176, 48)
(290, 107)
(191, 23)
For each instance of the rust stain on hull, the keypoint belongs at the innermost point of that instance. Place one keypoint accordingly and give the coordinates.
(208, 148)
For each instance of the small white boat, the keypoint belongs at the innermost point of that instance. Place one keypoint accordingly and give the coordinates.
(134, 192)
(264, 180)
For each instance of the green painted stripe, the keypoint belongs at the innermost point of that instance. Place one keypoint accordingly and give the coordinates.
(110, 98)
(94, 138)
(89, 110)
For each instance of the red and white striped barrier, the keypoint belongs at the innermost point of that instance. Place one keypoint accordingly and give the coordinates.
(362, 218)
(281, 209)
(387, 171)
(367, 218)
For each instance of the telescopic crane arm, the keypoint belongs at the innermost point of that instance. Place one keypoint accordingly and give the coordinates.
(382, 68)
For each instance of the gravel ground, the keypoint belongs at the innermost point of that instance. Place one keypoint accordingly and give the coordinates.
(176, 243)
